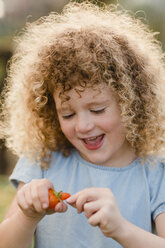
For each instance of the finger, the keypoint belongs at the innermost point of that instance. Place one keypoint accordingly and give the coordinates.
(72, 204)
(27, 195)
(39, 194)
(95, 219)
(91, 192)
(85, 196)
(91, 208)
(35, 199)
(73, 198)
(39, 191)
(61, 207)
(21, 201)
(43, 193)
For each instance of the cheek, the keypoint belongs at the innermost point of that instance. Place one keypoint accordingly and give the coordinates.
(115, 129)
(112, 124)
(66, 129)
(115, 132)
(118, 131)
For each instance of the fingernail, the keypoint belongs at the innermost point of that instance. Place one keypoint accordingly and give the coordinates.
(45, 205)
(69, 200)
(79, 211)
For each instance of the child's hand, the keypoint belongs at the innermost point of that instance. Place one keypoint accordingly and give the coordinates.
(100, 208)
(33, 199)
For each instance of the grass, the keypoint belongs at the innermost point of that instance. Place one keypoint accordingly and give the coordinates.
(7, 192)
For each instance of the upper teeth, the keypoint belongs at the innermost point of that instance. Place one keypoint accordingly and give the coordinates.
(92, 138)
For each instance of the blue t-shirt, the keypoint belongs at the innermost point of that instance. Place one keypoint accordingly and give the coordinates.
(139, 191)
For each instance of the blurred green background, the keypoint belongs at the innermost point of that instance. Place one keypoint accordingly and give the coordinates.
(13, 16)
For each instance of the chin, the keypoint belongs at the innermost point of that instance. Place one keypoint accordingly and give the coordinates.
(97, 161)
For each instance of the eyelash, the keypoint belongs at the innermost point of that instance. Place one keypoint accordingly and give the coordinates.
(67, 116)
(99, 111)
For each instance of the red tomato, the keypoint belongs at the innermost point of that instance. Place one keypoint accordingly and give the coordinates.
(56, 197)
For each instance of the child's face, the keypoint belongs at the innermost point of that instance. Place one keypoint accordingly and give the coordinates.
(92, 123)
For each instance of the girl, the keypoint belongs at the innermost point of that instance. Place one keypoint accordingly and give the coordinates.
(83, 108)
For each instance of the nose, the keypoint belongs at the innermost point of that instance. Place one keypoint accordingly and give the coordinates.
(84, 124)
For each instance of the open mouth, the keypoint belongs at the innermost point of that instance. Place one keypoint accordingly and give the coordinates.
(94, 142)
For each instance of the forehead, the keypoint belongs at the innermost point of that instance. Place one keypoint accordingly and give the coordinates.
(85, 95)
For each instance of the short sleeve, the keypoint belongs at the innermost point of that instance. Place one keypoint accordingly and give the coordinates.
(157, 190)
(25, 171)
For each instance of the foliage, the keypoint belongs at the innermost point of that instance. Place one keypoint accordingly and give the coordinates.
(7, 192)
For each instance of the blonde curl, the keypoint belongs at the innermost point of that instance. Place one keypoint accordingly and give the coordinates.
(84, 45)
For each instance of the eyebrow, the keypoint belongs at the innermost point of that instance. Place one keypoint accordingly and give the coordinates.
(90, 104)
(104, 102)
(62, 109)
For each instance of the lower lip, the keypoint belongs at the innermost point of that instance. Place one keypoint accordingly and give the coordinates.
(94, 147)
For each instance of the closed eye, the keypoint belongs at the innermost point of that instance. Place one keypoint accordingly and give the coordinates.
(67, 116)
(98, 111)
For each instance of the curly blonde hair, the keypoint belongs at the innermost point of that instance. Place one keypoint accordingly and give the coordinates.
(84, 45)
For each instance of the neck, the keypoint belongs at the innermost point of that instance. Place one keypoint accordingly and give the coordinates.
(124, 159)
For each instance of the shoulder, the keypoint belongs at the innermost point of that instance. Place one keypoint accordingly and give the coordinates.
(155, 171)
(155, 167)
(26, 169)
